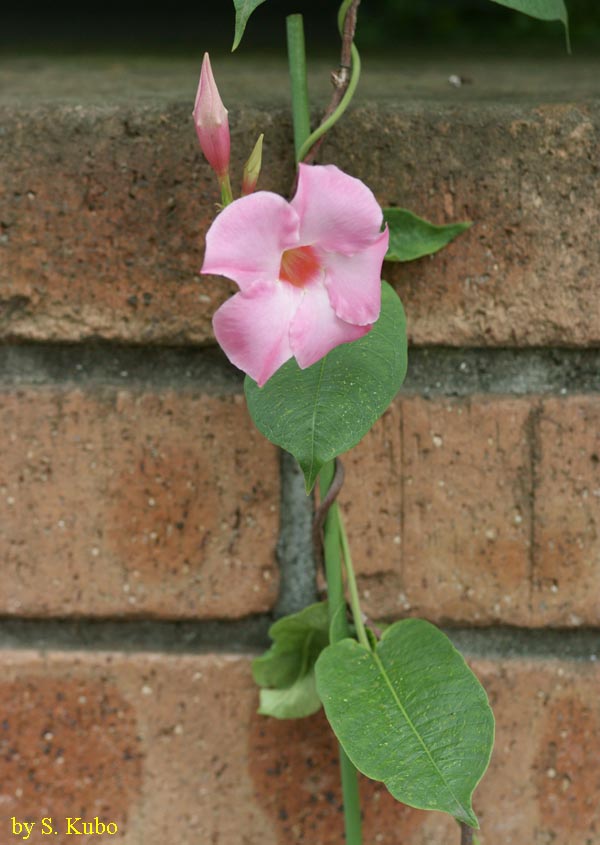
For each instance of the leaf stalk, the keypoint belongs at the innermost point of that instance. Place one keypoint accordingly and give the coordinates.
(352, 587)
(339, 630)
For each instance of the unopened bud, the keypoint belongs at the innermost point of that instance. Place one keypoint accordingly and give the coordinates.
(252, 168)
(212, 124)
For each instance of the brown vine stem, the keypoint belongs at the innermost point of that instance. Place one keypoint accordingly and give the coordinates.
(466, 834)
(340, 78)
(321, 511)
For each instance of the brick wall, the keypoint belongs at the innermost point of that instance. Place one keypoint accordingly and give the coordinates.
(148, 534)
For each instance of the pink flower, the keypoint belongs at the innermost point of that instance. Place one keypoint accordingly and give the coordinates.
(212, 124)
(309, 271)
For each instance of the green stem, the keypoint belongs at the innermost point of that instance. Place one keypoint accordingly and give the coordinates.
(338, 624)
(333, 118)
(348, 94)
(351, 800)
(339, 630)
(342, 12)
(352, 588)
(226, 192)
(297, 67)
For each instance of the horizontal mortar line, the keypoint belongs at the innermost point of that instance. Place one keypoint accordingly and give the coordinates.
(113, 364)
(513, 642)
(432, 370)
(131, 635)
(249, 635)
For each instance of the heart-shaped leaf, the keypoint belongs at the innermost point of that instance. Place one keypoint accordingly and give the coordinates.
(544, 10)
(411, 714)
(287, 670)
(243, 10)
(412, 237)
(324, 410)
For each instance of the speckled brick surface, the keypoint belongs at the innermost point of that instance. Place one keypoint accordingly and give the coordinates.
(170, 749)
(479, 510)
(567, 528)
(125, 502)
(155, 498)
(105, 200)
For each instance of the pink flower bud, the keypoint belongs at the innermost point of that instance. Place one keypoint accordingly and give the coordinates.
(212, 125)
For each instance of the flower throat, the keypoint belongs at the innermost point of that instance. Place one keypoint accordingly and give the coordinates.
(299, 266)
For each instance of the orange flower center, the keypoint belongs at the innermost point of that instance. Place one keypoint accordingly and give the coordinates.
(299, 266)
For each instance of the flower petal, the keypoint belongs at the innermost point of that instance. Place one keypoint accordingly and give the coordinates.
(253, 328)
(337, 212)
(316, 330)
(247, 239)
(354, 282)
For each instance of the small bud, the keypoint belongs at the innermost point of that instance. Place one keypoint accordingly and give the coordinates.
(252, 168)
(212, 125)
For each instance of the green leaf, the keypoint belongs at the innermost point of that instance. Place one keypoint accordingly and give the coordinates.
(326, 409)
(243, 10)
(280, 665)
(544, 10)
(286, 670)
(410, 714)
(412, 237)
(299, 700)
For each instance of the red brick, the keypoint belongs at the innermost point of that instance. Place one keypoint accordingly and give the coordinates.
(171, 748)
(117, 502)
(371, 496)
(545, 770)
(156, 744)
(521, 175)
(457, 511)
(104, 211)
(567, 512)
(489, 515)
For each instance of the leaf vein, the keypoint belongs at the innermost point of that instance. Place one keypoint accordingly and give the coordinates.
(409, 721)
